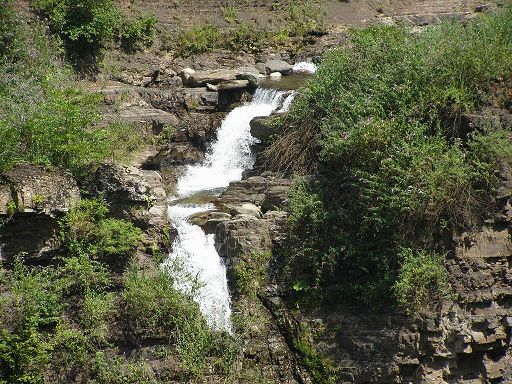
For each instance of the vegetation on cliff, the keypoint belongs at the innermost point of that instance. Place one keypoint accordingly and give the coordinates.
(397, 165)
(87, 26)
(71, 320)
(45, 118)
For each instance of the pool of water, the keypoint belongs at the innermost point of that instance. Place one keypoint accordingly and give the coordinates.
(289, 83)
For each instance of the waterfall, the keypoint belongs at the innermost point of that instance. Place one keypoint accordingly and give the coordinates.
(194, 262)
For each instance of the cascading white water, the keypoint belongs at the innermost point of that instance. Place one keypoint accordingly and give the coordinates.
(304, 67)
(288, 102)
(200, 271)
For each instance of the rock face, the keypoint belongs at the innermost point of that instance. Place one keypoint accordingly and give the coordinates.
(32, 199)
(467, 340)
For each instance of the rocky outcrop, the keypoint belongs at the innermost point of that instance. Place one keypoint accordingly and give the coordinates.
(32, 199)
(194, 78)
(130, 191)
(278, 66)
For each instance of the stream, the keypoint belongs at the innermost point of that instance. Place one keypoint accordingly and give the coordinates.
(194, 263)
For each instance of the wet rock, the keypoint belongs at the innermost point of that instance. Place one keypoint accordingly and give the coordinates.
(262, 129)
(37, 188)
(252, 77)
(177, 154)
(279, 66)
(269, 192)
(275, 76)
(242, 236)
(186, 75)
(211, 87)
(208, 221)
(124, 187)
(261, 68)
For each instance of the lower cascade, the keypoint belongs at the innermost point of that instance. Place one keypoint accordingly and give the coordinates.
(194, 262)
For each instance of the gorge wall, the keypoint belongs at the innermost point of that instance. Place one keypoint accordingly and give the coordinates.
(466, 340)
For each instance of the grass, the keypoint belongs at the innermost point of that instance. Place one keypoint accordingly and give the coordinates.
(302, 19)
(381, 128)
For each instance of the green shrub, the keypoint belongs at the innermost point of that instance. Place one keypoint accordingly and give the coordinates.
(87, 230)
(250, 274)
(137, 34)
(304, 18)
(422, 281)
(247, 38)
(71, 349)
(80, 274)
(30, 303)
(154, 309)
(200, 39)
(115, 237)
(97, 314)
(229, 13)
(87, 26)
(83, 21)
(381, 128)
(44, 119)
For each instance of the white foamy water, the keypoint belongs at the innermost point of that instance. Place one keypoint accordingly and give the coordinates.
(194, 262)
(304, 67)
(288, 102)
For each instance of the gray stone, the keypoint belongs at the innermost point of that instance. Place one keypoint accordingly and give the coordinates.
(253, 77)
(200, 78)
(246, 209)
(211, 87)
(278, 66)
(261, 68)
(261, 129)
(232, 84)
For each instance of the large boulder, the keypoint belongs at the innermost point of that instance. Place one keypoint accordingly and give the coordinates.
(262, 129)
(232, 84)
(201, 78)
(280, 66)
(32, 200)
(38, 188)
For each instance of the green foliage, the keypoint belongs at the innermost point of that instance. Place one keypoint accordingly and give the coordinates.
(304, 18)
(137, 34)
(112, 370)
(83, 21)
(87, 26)
(44, 119)
(8, 35)
(87, 230)
(80, 274)
(32, 302)
(247, 38)
(97, 314)
(199, 39)
(229, 13)
(320, 367)
(422, 281)
(381, 126)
